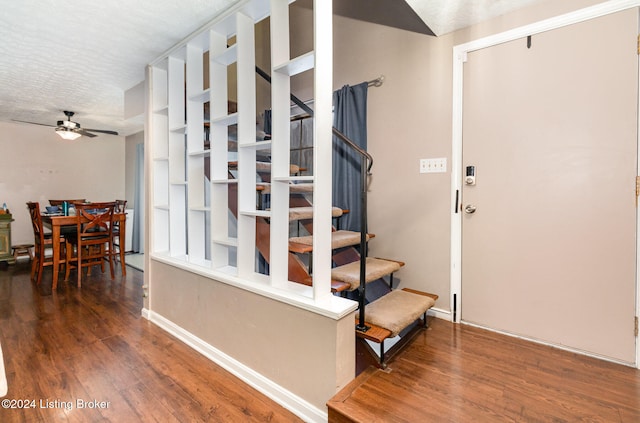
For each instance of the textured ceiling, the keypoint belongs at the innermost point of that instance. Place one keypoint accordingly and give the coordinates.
(82, 55)
(444, 16)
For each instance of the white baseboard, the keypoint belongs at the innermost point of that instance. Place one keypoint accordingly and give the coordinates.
(290, 401)
(440, 314)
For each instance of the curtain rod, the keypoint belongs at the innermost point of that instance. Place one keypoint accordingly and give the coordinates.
(376, 82)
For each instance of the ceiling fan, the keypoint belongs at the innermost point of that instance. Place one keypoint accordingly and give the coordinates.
(69, 130)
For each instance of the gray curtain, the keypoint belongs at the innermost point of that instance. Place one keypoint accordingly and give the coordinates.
(266, 127)
(137, 243)
(350, 118)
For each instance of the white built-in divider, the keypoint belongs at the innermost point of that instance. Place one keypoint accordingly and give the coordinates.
(196, 98)
(220, 57)
(181, 215)
(177, 165)
(280, 133)
(246, 75)
(323, 141)
(158, 125)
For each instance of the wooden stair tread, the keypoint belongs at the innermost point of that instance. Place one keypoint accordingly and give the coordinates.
(426, 294)
(265, 187)
(398, 309)
(376, 268)
(336, 286)
(374, 333)
(339, 286)
(339, 239)
(266, 167)
(296, 247)
(301, 213)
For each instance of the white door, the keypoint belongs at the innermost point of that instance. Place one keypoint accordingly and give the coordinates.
(549, 253)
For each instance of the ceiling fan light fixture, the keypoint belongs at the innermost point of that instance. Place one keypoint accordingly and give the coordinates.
(67, 134)
(68, 124)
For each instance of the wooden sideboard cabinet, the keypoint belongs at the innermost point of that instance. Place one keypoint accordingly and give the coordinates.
(5, 238)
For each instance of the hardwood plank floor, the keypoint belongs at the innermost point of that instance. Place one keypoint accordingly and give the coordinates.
(458, 373)
(92, 344)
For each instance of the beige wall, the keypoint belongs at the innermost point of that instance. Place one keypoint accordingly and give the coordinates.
(409, 118)
(305, 353)
(38, 165)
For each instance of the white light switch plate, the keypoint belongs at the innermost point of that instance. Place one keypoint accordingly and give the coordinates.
(433, 165)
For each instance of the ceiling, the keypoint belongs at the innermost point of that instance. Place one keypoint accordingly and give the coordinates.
(82, 55)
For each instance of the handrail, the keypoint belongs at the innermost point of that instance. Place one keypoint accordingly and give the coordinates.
(353, 145)
(335, 131)
(364, 172)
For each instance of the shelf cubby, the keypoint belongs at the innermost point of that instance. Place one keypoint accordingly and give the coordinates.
(297, 65)
(227, 57)
(202, 211)
(201, 97)
(257, 145)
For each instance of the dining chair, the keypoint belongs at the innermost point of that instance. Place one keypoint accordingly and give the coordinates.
(121, 206)
(42, 243)
(93, 241)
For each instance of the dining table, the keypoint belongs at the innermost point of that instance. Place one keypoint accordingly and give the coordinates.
(57, 221)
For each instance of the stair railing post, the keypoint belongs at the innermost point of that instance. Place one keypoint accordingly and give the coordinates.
(363, 244)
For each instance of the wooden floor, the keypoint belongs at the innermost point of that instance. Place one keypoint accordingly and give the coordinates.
(63, 352)
(458, 373)
(79, 346)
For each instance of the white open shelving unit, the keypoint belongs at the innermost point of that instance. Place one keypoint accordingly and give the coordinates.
(191, 223)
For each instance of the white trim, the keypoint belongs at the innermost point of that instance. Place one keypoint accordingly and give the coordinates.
(438, 313)
(459, 57)
(577, 16)
(301, 408)
(456, 187)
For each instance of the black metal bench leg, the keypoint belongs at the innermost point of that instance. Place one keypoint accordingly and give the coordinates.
(382, 364)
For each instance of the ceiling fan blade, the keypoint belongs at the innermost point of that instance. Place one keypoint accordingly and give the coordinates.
(33, 123)
(71, 126)
(102, 131)
(84, 133)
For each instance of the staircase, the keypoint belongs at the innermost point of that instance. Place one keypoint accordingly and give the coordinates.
(218, 227)
(395, 313)
(378, 319)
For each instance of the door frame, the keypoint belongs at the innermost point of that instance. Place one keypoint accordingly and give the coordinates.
(460, 52)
